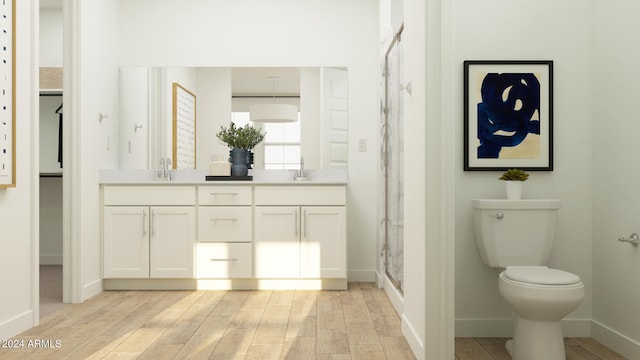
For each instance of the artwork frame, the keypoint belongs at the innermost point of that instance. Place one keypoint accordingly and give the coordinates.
(184, 127)
(508, 115)
(8, 95)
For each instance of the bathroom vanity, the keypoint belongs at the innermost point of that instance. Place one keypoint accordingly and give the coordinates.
(224, 235)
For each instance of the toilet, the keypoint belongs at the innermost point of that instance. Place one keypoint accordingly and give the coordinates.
(516, 236)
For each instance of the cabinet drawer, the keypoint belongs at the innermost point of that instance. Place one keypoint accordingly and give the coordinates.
(301, 195)
(149, 195)
(223, 260)
(224, 195)
(225, 223)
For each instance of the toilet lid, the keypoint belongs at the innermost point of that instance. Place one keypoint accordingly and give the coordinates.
(541, 275)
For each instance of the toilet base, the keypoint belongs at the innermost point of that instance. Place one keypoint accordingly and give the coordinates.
(535, 340)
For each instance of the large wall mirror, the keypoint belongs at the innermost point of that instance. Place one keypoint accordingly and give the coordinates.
(148, 132)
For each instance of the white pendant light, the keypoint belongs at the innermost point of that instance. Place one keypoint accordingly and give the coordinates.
(273, 113)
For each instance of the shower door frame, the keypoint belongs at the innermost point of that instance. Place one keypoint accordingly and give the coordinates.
(391, 278)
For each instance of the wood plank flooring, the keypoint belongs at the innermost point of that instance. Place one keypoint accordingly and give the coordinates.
(493, 349)
(359, 323)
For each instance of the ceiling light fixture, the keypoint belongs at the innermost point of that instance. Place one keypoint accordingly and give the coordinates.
(273, 113)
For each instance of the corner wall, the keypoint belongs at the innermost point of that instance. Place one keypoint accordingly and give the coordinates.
(91, 133)
(616, 176)
(541, 30)
(19, 205)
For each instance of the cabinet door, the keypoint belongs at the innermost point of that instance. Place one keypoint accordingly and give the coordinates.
(172, 243)
(323, 246)
(125, 242)
(277, 242)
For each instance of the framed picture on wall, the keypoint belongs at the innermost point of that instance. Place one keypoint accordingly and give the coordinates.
(508, 115)
(184, 128)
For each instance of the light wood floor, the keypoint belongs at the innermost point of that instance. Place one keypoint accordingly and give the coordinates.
(493, 349)
(50, 289)
(359, 323)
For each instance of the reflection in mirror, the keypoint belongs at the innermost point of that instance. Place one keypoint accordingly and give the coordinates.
(224, 95)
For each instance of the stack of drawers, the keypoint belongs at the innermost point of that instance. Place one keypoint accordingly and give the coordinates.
(225, 232)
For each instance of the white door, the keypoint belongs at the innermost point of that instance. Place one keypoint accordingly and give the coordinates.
(334, 118)
(277, 242)
(323, 246)
(126, 242)
(172, 244)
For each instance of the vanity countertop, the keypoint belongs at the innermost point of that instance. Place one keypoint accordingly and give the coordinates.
(146, 177)
(204, 182)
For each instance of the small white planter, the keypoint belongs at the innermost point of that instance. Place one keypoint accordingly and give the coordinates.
(513, 189)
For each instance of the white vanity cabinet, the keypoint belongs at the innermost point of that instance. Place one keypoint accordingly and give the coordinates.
(148, 231)
(300, 232)
(225, 232)
(224, 235)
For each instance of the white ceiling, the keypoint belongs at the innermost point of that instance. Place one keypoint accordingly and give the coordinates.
(47, 4)
(256, 81)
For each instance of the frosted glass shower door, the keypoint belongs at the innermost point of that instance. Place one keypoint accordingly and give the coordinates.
(394, 166)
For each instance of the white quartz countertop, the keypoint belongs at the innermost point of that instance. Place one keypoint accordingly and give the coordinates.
(195, 177)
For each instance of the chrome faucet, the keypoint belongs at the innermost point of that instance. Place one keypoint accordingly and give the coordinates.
(301, 174)
(160, 170)
(167, 174)
(164, 169)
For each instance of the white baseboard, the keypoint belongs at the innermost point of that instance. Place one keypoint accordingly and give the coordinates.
(616, 341)
(394, 295)
(16, 325)
(50, 259)
(483, 328)
(362, 275)
(92, 289)
(504, 327)
(412, 338)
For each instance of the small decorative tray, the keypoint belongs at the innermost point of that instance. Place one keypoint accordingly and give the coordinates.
(228, 178)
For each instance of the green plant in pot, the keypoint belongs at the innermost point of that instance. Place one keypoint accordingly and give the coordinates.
(513, 179)
(241, 140)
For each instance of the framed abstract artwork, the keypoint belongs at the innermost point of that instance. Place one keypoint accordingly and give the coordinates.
(7, 95)
(508, 115)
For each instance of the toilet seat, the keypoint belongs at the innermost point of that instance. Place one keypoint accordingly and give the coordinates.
(540, 275)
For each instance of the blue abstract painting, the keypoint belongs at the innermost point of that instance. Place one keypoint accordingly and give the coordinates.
(508, 115)
(508, 112)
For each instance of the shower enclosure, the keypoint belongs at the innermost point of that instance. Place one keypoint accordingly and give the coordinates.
(392, 154)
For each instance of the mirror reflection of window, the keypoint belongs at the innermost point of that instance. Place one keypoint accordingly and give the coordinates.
(281, 143)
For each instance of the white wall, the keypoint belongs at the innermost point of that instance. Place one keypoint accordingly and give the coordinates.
(50, 188)
(540, 30)
(258, 33)
(214, 110)
(19, 205)
(50, 37)
(616, 176)
(134, 113)
(93, 71)
(310, 113)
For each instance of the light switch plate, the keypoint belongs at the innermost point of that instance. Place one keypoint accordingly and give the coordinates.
(362, 145)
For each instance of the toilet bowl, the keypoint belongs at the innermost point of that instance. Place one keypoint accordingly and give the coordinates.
(539, 297)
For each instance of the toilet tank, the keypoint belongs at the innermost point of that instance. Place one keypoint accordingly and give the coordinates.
(515, 232)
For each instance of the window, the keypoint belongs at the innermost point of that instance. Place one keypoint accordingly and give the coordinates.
(281, 144)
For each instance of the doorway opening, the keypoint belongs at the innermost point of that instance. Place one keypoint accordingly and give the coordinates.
(50, 157)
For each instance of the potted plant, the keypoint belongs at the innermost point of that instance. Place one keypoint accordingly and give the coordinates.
(241, 140)
(513, 179)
